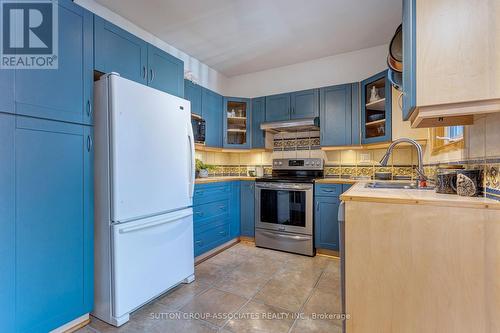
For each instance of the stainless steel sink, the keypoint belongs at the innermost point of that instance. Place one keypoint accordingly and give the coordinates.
(396, 185)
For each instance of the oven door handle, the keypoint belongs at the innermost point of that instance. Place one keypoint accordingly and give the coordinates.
(296, 237)
(285, 187)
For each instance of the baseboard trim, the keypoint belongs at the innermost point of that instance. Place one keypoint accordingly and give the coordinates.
(73, 325)
(328, 253)
(202, 257)
(245, 239)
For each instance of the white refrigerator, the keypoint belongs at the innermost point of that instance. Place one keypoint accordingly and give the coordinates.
(144, 182)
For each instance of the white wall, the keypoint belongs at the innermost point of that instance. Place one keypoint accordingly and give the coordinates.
(336, 69)
(203, 74)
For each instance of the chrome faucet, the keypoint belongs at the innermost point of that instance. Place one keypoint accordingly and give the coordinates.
(420, 169)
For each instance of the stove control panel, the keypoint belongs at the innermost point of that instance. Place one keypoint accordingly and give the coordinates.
(298, 164)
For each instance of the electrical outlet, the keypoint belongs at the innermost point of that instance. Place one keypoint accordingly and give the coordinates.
(364, 157)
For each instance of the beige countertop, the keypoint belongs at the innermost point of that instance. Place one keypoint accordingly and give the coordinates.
(359, 192)
(337, 181)
(221, 179)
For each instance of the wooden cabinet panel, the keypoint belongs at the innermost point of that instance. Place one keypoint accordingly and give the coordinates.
(247, 208)
(278, 107)
(258, 117)
(335, 121)
(117, 50)
(211, 109)
(304, 104)
(166, 72)
(54, 219)
(193, 92)
(64, 93)
(326, 234)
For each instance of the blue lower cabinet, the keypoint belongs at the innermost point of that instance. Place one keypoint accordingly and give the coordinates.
(7, 223)
(50, 280)
(216, 215)
(326, 227)
(326, 234)
(234, 213)
(247, 202)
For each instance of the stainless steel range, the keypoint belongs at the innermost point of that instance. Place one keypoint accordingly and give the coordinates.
(284, 205)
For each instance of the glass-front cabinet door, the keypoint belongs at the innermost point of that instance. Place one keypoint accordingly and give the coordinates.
(376, 114)
(237, 120)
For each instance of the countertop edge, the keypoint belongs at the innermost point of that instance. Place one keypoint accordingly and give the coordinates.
(461, 202)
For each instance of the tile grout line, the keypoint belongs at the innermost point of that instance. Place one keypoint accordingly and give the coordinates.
(307, 300)
(252, 298)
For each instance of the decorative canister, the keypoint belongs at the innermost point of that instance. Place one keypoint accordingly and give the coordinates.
(470, 182)
(445, 181)
(446, 178)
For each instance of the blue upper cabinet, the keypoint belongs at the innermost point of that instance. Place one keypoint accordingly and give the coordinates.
(355, 114)
(258, 117)
(335, 116)
(211, 111)
(247, 198)
(376, 113)
(304, 104)
(64, 93)
(117, 50)
(7, 104)
(166, 72)
(192, 92)
(237, 122)
(409, 58)
(278, 107)
(49, 280)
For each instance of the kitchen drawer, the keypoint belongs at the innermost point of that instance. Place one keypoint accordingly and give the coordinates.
(207, 224)
(218, 208)
(210, 239)
(205, 193)
(329, 190)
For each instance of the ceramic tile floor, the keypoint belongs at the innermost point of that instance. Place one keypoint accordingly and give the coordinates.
(245, 289)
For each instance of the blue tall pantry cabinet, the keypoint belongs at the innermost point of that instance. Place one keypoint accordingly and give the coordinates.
(46, 184)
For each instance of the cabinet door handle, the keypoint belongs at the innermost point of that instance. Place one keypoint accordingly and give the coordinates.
(89, 143)
(199, 213)
(144, 72)
(89, 108)
(152, 75)
(317, 206)
(199, 243)
(222, 207)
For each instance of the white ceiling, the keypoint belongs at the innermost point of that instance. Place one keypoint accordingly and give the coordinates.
(243, 36)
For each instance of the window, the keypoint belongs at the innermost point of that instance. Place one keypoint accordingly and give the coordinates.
(447, 139)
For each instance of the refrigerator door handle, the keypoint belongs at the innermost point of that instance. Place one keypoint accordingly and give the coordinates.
(191, 161)
(155, 223)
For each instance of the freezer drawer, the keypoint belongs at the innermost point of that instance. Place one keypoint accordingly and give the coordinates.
(150, 256)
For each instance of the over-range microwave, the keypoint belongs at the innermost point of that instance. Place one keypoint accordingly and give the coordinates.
(198, 124)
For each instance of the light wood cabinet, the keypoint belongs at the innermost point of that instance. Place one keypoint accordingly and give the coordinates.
(452, 60)
(412, 268)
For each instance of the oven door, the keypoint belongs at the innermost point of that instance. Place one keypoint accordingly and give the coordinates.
(284, 207)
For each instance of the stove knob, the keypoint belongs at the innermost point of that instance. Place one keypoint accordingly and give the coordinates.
(280, 163)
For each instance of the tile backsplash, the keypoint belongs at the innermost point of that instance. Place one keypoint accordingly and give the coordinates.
(482, 150)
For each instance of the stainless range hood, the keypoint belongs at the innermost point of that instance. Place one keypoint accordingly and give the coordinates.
(294, 125)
